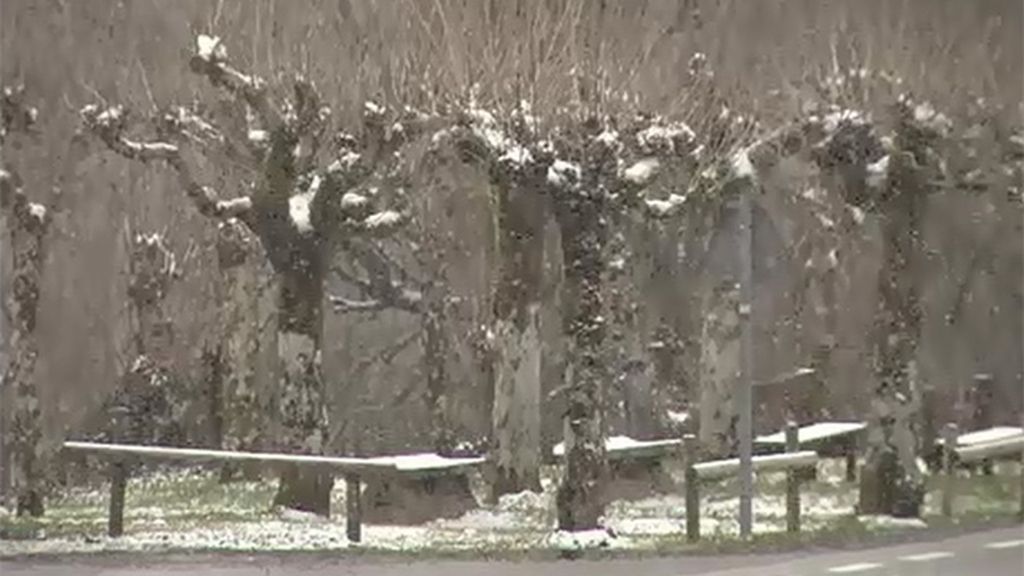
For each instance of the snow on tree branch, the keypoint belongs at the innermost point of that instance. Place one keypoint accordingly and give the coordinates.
(110, 125)
(211, 60)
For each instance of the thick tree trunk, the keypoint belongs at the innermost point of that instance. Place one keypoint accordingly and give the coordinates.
(245, 320)
(302, 402)
(720, 369)
(891, 481)
(634, 363)
(580, 497)
(435, 358)
(517, 371)
(517, 406)
(28, 224)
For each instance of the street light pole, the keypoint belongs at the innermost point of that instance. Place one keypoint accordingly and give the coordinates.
(744, 401)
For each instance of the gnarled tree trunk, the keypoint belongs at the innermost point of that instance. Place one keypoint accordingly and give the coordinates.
(246, 324)
(582, 220)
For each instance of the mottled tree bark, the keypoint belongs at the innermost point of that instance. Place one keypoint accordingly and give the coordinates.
(517, 367)
(582, 219)
(301, 395)
(28, 224)
(435, 359)
(720, 369)
(246, 322)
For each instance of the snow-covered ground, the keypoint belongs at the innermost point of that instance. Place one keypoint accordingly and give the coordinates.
(188, 509)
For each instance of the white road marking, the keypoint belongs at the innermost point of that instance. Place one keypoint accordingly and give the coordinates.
(860, 567)
(926, 556)
(1006, 544)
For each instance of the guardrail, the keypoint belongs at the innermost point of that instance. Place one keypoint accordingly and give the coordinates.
(791, 462)
(352, 468)
(1012, 447)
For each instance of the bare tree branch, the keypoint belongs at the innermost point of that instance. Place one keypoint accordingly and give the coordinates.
(109, 126)
(210, 60)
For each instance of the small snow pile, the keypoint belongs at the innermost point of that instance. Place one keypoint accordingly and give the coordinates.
(662, 138)
(878, 172)
(643, 171)
(609, 138)
(525, 502)
(486, 127)
(740, 165)
(291, 515)
(516, 156)
(880, 522)
(38, 211)
(299, 207)
(564, 174)
(210, 48)
(615, 443)
(664, 208)
(640, 527)
(351, 201)
(680, 418)
(383, 220)
(582, 540)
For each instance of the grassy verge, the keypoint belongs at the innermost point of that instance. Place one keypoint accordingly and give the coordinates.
(189, 510)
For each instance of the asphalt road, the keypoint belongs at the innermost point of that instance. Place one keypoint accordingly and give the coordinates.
(989, 553)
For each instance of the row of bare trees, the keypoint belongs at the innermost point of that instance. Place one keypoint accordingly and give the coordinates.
(314, 196)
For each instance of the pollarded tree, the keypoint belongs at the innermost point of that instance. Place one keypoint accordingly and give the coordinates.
(301, 211)
(518, 182)
(585, 176)
(890, 177)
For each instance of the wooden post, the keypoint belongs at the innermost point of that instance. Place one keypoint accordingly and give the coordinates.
(851, 458)
(1021, 511)
(949, 436)
(792, 481)
(118, 483)
(353, 508)
(692, 484)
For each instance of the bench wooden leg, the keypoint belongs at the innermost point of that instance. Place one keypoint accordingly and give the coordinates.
(692, 486)
(792, 482)
(118, 483)
(851, 462)
(353, 508)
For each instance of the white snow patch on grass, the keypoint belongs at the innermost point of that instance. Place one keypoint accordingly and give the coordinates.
(582, 540)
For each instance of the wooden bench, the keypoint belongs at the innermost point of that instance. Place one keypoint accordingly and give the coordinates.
(637, 467)
(792, 461)
(974, 438)
(984, 446)
(423, 487)
(828, 439)
(441, 482)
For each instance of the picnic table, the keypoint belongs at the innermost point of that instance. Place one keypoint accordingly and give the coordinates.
(637, 467)
(829, 439)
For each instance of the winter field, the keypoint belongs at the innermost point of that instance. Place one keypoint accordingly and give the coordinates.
(189, 510)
